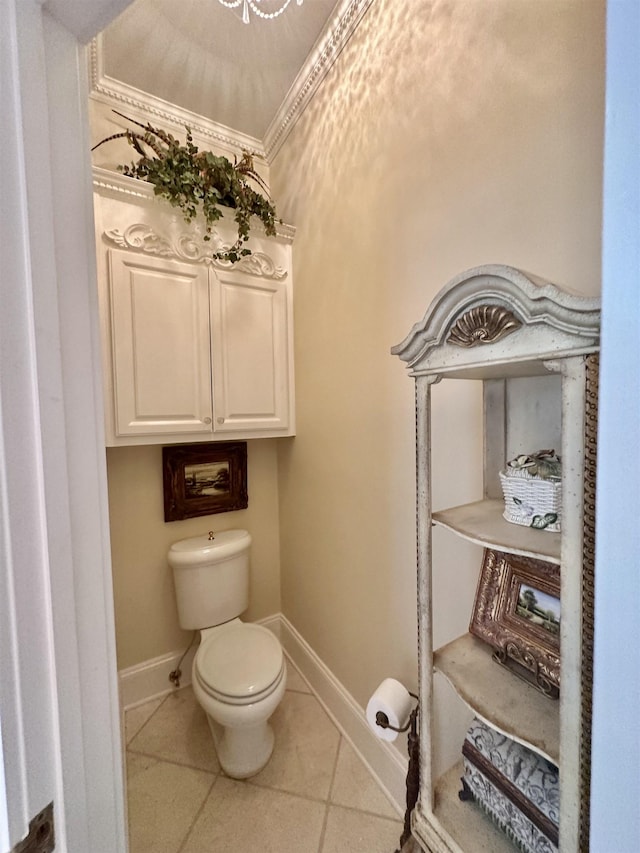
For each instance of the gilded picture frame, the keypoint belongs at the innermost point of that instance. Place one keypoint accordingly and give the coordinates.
(517, 612)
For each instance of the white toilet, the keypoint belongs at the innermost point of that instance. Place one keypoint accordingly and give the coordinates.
(239, 672)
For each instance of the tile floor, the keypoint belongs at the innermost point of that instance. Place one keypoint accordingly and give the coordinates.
(314, 796)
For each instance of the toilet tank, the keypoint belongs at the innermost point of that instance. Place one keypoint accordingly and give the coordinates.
(211, 577)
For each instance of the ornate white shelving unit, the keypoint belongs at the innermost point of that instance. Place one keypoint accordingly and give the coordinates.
(533, 346)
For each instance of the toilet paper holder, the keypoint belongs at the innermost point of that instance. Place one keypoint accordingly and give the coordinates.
(383, 721)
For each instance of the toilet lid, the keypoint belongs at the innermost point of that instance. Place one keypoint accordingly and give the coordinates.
(241, 661)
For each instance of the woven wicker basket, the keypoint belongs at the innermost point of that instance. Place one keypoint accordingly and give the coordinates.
(531, 501)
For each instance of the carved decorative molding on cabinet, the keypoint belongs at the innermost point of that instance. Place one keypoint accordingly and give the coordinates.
(192, 247)
(194, 348)
(534, 347)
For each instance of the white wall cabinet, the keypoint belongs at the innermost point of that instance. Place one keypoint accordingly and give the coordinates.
(534, 349)
(249, 325)
(193, 348)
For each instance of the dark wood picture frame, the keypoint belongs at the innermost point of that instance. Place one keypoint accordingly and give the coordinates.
(203, 479)
(517, 612)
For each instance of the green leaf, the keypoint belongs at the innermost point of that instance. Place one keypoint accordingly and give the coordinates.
(197, 181)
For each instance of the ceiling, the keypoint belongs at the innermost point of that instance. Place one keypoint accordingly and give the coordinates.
(200, 56)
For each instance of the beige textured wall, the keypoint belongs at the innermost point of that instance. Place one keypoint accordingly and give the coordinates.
(146, 617)
(448, 134)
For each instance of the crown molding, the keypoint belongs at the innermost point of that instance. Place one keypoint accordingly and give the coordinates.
(341, 25)
(339, 28)
(148, 107)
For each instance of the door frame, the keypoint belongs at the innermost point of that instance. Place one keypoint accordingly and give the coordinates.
(59, 710)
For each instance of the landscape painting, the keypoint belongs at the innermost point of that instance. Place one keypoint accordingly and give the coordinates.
(539, 607)
(207, 478)
(204, 479)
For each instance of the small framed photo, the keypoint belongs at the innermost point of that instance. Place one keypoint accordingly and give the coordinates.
(517, 612)
(203, 479)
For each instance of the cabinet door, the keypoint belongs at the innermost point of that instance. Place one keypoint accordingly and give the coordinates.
(160, 345)
(251, 348)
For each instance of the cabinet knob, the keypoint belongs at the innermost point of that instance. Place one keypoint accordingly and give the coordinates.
(220, 420)
(207, 420)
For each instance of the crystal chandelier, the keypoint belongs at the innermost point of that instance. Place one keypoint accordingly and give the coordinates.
(254, 6)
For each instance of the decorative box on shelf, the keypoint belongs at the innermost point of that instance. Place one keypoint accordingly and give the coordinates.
(532, 489)
(516, 787)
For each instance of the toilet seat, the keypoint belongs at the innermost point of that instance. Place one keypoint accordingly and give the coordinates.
(240, 664)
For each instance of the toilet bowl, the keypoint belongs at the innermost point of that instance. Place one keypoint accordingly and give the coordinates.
(239, 672)
(239, 678)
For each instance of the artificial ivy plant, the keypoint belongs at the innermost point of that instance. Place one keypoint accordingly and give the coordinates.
(199, 180)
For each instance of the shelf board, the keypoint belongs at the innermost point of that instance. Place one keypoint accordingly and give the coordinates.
(499, 697)
(465, 822)
(482, 522)
(508, 369)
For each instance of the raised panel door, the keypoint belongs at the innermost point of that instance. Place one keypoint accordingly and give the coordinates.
(160, 345)
(251, 349)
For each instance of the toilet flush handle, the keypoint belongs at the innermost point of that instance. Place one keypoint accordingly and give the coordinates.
(211, 536)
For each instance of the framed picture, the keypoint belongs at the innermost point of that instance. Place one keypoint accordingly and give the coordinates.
(517, 612)
(203, 479)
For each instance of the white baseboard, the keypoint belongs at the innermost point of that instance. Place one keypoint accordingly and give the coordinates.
(150, 680)
(383, 760)
(272, 623)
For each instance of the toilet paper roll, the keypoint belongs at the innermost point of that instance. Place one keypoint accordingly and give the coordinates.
(394, 700)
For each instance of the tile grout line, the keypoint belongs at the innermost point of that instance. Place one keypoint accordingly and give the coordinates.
(219, 774)
(130, 747)
(367, 813)
(174, 763)
(307, 797)
(149, 718)
(327, 800)
(197, 815)
(323, 832)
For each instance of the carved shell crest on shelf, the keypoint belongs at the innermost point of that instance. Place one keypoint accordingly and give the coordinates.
(190, 247)
(484, 324)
